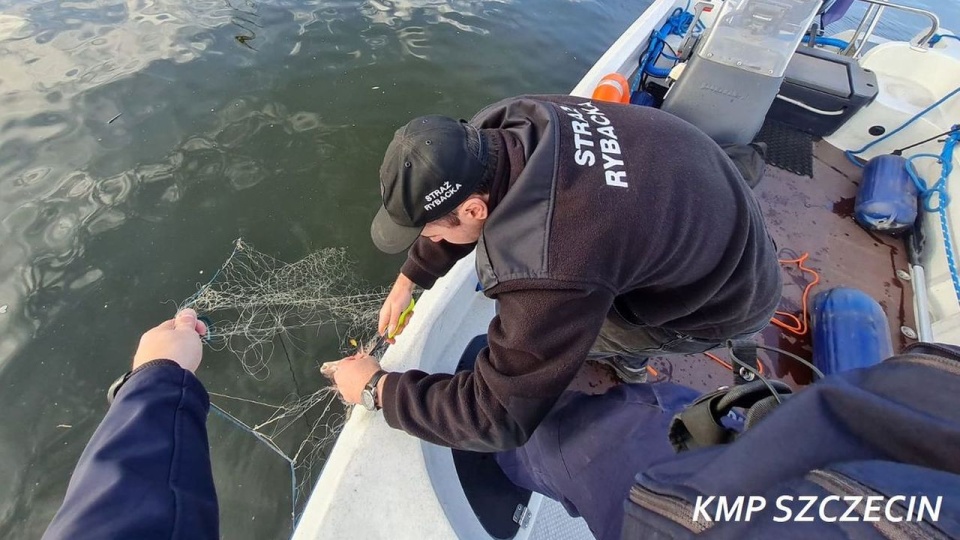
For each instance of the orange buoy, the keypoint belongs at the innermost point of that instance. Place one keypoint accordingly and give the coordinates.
(612, 87)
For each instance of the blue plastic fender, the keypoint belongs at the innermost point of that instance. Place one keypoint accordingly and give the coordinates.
(887, 198)
(850, 331)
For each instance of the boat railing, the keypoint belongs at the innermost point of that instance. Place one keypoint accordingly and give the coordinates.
(868, 24)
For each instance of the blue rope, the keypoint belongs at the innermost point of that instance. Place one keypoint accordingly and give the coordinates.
(828, 41)
(937, 37)
(932, 198)
(936, 199)
(677, 25)
(851, 153)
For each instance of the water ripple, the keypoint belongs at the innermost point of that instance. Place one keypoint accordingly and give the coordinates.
(66, 172)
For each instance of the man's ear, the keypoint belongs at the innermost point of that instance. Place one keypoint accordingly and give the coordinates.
(476, 208)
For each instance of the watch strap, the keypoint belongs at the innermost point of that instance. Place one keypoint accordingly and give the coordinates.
(121, 380)
(372, 386)
(115, 386)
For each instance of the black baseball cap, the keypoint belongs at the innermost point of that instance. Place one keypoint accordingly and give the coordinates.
(432, 165)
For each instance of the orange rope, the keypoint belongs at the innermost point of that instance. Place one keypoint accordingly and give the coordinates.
(795, 325)
(719, 360)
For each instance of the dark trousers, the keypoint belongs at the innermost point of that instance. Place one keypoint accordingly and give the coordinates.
(619, 338)
(587, 450)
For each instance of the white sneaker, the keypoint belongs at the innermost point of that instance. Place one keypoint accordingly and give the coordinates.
(624, 371)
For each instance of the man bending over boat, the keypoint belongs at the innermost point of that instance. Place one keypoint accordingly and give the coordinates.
(604, 231)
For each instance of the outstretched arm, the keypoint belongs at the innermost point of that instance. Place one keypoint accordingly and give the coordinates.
(536, 346)
(146, 471)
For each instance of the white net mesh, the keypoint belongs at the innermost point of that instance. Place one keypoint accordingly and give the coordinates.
(254, 298)
(252, 306)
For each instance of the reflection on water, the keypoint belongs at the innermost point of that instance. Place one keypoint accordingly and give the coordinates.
(72, 119)
(138, 138)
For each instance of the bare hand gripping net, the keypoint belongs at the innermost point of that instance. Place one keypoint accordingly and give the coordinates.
(252, 305)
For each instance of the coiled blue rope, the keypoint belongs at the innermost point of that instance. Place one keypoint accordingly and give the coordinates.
(937, 199)
(678, 24)
(851, 153)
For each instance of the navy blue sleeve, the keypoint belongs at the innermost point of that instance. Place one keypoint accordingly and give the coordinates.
(146, 472)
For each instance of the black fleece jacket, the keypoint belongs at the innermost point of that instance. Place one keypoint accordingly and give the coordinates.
(594, 207)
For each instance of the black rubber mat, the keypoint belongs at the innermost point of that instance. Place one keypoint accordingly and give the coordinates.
(787, 148)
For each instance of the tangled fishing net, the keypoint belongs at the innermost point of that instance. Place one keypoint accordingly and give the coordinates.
(254, 306)
(253, 299)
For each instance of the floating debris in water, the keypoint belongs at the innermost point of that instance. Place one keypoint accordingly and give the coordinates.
(64, 426)
(114, 118)
(3, 309)
(374, 87)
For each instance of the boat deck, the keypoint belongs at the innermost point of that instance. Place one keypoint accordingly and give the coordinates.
(815, 216)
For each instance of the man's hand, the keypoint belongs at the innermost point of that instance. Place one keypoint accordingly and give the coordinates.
(397, 301)
(177, 339)
(352, 373)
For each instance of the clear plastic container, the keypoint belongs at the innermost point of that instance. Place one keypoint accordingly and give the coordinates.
(759, 35)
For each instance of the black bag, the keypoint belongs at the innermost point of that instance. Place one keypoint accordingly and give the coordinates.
(858, 448)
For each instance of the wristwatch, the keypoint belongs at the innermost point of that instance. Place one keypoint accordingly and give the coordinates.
(121, 380)
(368, 398)
(115, 386)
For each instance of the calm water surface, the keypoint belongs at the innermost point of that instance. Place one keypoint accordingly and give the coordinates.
(139, 138)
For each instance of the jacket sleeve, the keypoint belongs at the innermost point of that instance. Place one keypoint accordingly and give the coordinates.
(538, 343)
(146, 472)
(428, 261)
